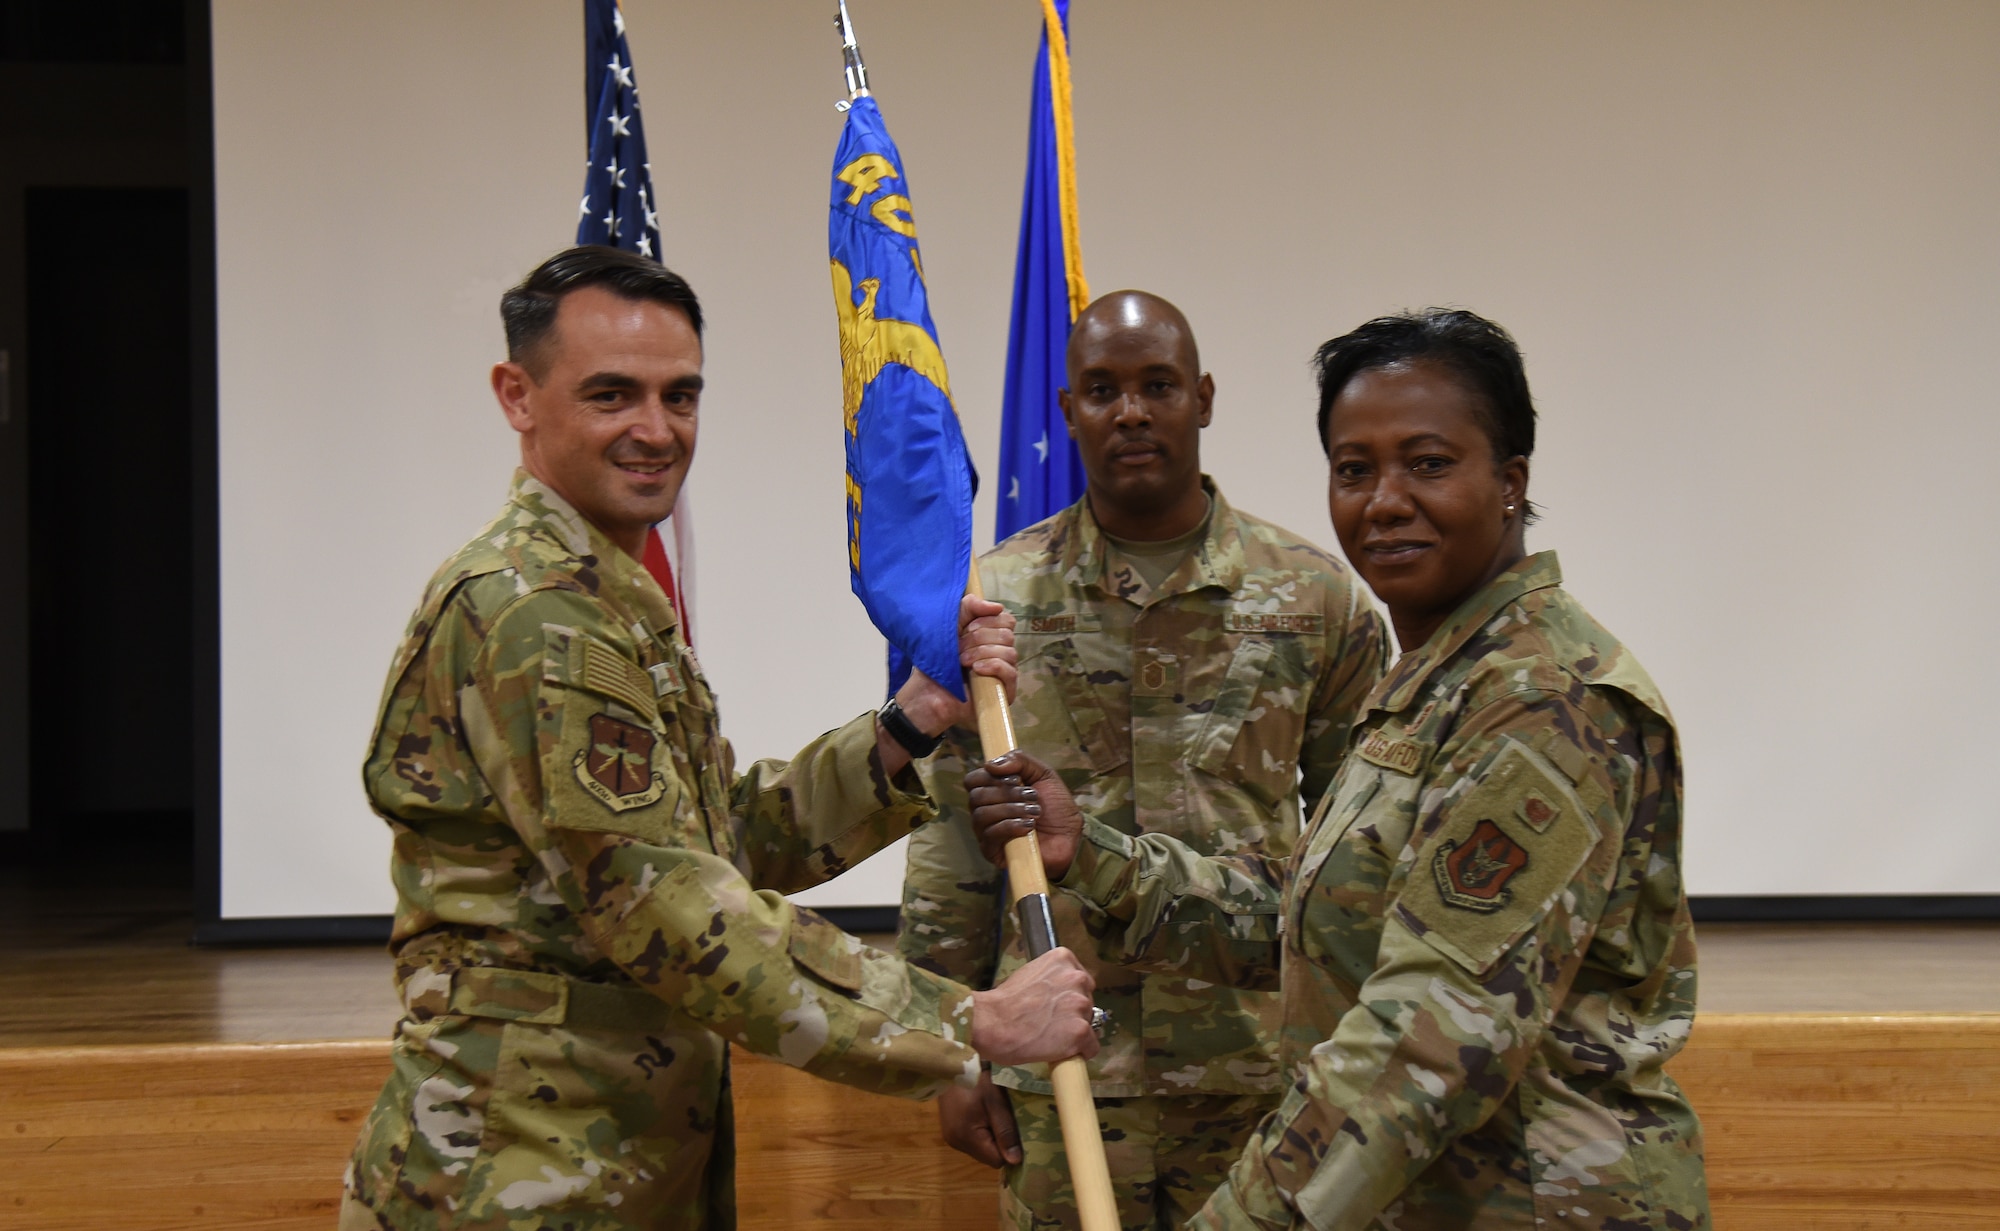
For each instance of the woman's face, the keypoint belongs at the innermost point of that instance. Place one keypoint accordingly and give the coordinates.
(1423, 511)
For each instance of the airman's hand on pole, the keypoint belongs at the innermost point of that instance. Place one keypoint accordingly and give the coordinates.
(1040, 1014)
(1014, 795)
(985, 648)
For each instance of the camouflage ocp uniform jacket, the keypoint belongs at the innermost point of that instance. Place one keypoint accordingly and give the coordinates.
(589, 904)
(1483, 945)
(1200, 710)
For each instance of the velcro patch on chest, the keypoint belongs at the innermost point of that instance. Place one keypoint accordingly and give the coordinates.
(1273, 622)
(1507, 850)
(1378, 747)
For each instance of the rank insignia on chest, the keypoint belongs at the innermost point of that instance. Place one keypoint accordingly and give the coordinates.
(1538, 811)
(1473, 874)
(1405, 756)
(617, 766)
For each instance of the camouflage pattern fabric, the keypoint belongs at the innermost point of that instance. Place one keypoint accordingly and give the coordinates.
(1165, 1155)
(1483, 944)
(589, 904)
(1200, 709)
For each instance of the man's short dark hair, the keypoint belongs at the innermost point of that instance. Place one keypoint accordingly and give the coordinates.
(529, 310)
(1474, 349)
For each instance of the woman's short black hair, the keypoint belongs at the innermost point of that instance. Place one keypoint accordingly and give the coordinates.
(528, 311)
(1477, 351)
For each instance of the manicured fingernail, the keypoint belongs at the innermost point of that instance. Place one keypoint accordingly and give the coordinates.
(1032, 809)
(1028, 792)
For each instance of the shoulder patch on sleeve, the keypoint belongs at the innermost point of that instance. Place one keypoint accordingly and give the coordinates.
(1509, 848)
(610, 769)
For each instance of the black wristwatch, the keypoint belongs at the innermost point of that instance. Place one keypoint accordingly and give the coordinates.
(905, 732)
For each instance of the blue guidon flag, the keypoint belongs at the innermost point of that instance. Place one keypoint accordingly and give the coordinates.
(909, 478)
(619, 209)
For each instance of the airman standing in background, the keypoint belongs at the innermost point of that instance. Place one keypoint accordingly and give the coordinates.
(1188, 669)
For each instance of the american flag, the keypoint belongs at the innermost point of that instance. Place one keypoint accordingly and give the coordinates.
(620, 210)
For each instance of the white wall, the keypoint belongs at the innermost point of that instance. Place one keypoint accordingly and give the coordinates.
(1749, 250)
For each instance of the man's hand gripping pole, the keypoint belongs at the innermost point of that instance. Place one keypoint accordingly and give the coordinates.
(1090, 1176)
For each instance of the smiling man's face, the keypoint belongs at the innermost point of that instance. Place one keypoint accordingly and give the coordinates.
(607, 408)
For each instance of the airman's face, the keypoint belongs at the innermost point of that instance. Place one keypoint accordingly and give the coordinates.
(610, 423)
(1136, 407)
(1422, 508)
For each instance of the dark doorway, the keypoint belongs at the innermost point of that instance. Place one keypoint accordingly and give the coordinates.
(111, 732)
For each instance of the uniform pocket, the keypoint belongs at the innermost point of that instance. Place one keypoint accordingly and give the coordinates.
(827, 951)
(1350, 796)
(1059, 666)
(1586, 1170)
(583, 1120)
(1257, 720)
(431, 1118)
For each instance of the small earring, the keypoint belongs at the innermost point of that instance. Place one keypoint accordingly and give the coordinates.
(1510, 508)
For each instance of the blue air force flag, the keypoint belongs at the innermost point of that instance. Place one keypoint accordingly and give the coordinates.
(909, 478)
(1040, 472)
(619, 209)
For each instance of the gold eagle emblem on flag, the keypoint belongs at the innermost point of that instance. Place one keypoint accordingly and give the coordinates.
(868, 344)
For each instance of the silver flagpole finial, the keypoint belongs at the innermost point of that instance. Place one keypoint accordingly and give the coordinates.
(850, 55)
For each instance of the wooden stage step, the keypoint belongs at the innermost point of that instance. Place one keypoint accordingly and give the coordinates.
(1816, 1122)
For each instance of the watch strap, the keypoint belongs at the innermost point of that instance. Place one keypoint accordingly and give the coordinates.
(905, 732)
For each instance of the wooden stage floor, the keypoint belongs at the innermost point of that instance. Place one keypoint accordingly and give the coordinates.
(1848, 1077)
(114, 966)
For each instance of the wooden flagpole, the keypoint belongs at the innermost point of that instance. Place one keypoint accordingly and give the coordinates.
(1083, 1140)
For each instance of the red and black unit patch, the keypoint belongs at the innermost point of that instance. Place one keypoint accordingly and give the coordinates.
(1473, 874)
(617, 766)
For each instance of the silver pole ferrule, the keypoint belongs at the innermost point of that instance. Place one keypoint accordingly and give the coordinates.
(850, 55)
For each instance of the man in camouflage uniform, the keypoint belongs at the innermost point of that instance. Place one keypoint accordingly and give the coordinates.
(1184, 665)
(1484, 946)
(589, 892)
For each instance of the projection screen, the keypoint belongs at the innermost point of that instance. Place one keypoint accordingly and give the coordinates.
(1749, 250)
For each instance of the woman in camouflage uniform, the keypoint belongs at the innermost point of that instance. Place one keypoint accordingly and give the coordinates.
(1482, 940)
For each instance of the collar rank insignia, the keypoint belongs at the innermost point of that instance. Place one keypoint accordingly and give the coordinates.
(617, 766)
(1473, 874)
